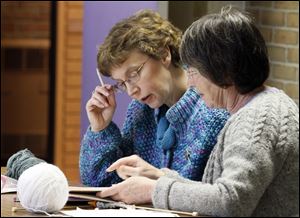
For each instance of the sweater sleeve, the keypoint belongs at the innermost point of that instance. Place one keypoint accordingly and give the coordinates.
(248, 169)
(100, 149)
(172, 174)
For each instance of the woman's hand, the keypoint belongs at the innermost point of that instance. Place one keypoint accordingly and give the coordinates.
(101, 107)
(135, 190)
(134, 166)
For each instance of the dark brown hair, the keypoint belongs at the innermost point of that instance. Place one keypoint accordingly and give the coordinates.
(227, 49)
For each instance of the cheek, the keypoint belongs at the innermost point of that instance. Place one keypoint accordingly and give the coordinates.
(191, 82)
(149, 88)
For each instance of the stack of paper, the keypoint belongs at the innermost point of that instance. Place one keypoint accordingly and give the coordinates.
(116, 213)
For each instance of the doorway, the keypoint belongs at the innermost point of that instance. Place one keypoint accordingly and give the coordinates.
(27, 78)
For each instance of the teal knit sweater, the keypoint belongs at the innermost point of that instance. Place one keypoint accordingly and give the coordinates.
(196, 128)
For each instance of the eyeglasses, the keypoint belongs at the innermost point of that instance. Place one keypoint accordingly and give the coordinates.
(132, 79)
(190, 71)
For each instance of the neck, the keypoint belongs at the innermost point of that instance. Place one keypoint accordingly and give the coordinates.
(236, 101)
(179, 85)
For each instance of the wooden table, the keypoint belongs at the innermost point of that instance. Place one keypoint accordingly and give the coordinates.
(8, 202)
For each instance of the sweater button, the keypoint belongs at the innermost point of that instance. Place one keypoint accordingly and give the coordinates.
(187, 154)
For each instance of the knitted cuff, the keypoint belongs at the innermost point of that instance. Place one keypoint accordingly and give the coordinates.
(160, 195)
(108, 132)
(170, 173)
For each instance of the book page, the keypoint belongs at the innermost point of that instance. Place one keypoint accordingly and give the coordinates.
(84, 189)
(116, 213)
(91, 197)
(8, 184)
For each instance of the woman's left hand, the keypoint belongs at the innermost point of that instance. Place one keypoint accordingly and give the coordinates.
(134, 190)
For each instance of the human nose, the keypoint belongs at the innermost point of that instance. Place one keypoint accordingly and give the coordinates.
(132, 90)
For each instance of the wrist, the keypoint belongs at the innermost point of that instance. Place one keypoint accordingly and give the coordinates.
(159, 173)
(96, 129)
(151, 188)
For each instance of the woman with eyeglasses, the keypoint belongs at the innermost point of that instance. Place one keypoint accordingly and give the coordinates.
(167, 124)
(253, 169)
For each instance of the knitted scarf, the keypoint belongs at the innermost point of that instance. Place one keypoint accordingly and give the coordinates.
(165, 135)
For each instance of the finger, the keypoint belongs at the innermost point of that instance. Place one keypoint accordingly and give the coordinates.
(103, 90)
(108, 93)
(90, 105)
(113, 190)
(130, 160)
(111, 98)
(94, 102)
(127, 171)
(100, 98)
(116, 197)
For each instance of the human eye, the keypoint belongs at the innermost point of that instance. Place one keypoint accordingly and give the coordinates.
(133, 74)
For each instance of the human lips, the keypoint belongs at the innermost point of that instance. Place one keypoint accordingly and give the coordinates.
(146, 98)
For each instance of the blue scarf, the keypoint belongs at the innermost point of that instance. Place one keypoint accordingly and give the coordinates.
(165, 135)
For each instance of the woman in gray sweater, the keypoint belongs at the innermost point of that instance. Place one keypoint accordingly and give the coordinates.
(253, 169)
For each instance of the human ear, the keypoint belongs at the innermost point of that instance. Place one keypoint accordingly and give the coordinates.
(167, 58)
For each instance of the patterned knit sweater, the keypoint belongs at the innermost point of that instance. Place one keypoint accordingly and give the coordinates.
(196, 128)
(253, 169)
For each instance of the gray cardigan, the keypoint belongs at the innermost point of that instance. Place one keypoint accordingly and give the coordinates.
(253, 169)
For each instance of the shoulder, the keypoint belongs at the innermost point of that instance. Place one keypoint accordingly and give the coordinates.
(270, 104)
(269, 115)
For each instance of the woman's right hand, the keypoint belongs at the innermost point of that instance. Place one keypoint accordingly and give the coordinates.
(101, 107)
(134, 166)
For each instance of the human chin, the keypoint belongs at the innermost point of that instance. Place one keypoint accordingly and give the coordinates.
(154, 104)
(151, 101)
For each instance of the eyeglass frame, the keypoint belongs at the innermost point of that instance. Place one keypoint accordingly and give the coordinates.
(132, 80)
(190, 71)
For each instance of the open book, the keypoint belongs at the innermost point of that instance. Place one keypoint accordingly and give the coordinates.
(9, 185)
(85, 189)
(86, 193)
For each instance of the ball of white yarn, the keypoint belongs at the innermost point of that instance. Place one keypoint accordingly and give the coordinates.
(43, 188)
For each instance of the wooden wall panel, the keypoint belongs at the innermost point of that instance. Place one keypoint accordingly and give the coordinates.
(68, 91)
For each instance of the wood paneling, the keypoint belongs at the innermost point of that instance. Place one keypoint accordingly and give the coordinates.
(68, 83)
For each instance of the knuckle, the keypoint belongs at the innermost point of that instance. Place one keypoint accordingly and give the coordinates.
(121, 168)
(135, 156)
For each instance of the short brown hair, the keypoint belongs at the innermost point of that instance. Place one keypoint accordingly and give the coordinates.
(147, 32)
